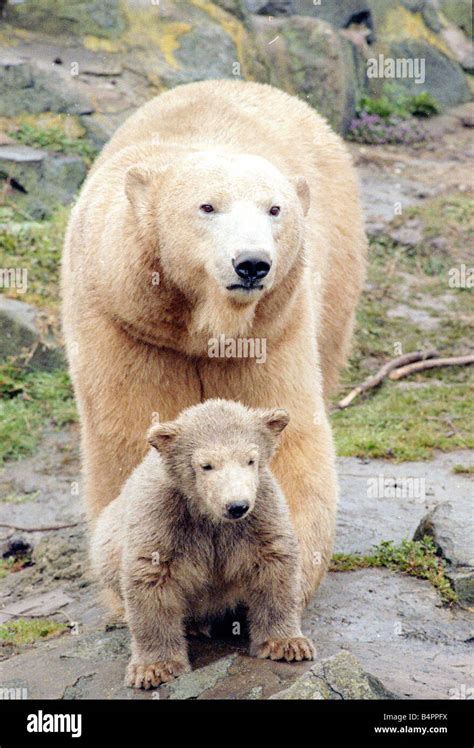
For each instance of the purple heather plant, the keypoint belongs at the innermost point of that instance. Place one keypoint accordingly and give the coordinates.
(376, 130)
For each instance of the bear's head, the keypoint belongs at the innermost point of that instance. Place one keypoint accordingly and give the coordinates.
(227, 227)
(215, 453)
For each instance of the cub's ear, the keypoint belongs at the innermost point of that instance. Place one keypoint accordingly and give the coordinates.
(138, 180)
(162, 435)
(275, 420)
(302, 190)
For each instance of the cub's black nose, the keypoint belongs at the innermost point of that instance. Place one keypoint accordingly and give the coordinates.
(237, 509)
(252, 266)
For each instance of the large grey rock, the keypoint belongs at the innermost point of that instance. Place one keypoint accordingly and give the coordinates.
(308, 58)
(451, 525)
(26, 88)
(338, 678)
(103, 18)
(39, 180)
(208, 45)
(444, 77)
(42, 606)
(24, 336)
(339, 14)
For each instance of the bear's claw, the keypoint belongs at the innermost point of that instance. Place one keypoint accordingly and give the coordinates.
(151, 676)
(295, 649)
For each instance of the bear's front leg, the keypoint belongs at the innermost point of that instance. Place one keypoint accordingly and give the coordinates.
(305, 468)
(154, 612)
(273, 610)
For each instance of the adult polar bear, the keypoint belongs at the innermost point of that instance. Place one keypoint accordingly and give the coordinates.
(219, 208)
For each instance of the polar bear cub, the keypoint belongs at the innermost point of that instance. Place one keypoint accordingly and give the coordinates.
(200, 527)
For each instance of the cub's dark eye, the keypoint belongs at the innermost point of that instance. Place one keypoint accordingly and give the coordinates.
(206, 467)
(251, 462)
(274, 210)
(207, 208)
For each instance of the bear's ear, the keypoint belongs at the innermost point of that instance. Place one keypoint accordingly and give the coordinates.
(138, 179)
(302, 190)
(162, 435)
(275, 420)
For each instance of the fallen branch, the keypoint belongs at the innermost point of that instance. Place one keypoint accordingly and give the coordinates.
(41, 529)
(434, 363)
(383, 372)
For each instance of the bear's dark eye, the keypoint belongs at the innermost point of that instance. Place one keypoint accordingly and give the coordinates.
(206, 467)
(274, 210)
(251, 462)
(207, 208)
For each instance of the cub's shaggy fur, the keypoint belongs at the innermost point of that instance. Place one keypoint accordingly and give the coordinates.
(174, 549)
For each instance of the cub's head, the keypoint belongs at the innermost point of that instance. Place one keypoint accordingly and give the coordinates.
(215, 451)
(227, 227)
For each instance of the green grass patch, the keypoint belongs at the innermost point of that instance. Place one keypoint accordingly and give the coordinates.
(37, 248)
(19, 498)
(408, 419)
(6, 566)
(414, 557)
(398, 103)
(463, 469)
(29, 401)
(54, 139)
(406, 424)
(22, 632)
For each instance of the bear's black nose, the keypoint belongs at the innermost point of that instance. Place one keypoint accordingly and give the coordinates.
(252, 266)
(237, 509)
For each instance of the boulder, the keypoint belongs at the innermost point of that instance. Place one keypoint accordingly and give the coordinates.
(240, 677)
(308, 58)
(39, 180)
(24, 87)
(180, 44)
(340, 677)
(25, 336)
(444, 77)
(451, 525)
(68, 17)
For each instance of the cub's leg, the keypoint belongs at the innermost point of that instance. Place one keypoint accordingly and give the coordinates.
(274, 610)
(155, 613)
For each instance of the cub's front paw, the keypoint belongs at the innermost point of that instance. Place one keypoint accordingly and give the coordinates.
(151, 676)
(294, 649)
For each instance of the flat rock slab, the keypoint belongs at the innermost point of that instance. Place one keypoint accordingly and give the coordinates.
(381, 500)
(44, 604)
(21, 153)
(397, 628)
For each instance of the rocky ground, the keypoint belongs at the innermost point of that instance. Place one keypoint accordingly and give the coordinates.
(366, 623)
(406, 451)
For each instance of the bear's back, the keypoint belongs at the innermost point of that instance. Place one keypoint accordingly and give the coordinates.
(244, 116)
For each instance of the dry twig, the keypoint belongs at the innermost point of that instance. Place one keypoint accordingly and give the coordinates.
(383, 372)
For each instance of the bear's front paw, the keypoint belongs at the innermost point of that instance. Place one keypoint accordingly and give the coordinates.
(294, 649)
(151, 676)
